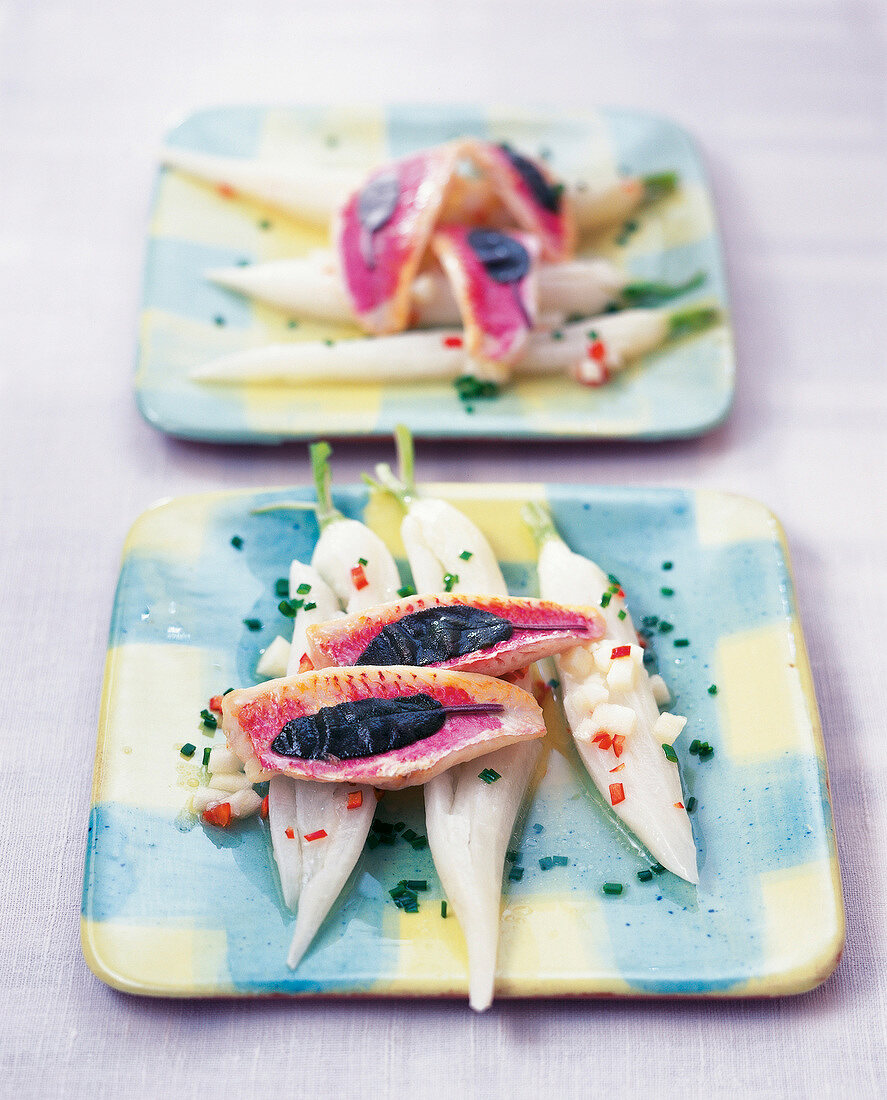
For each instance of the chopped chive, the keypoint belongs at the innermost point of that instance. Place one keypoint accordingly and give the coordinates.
(388, 838)
(650, 620)
(670, 754)
(712, 689)
(206, 755)
(264, 224)
(488, 775)
(695, 746)
(188, 749)
(383, 826)
(613, 579)
(209, 719)
(668, 565)
(657, 868)
(415, 883)
(466, 555)
(645, 875)
(546, 863)
(362, 561)
(236, 542)
(398, 825)
(691, 804)
(443, 910)
(281, 587)
(227, 691)
(407, 590)
(557, 334)
(310, 606)
(253, 624)
(329, 343)
(621, 614)
(537, 828)
(515, 874)
(303, 588)
(419, 843)
(665, 627)
(605, 599)
(706, 752)
(613, 888)
(372, 841)
(554, 684)
(560, 861)
(292, 323)
(681, 643)
(667, 591)
(410, 835)
(289, 607)
(592, 334)
(219, 320)
(649, 657)
(512, 856)
(450, 581)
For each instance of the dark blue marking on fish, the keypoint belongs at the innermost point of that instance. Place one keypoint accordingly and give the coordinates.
(368, 727)
(376, 204)
(504, 258)
(548, 195)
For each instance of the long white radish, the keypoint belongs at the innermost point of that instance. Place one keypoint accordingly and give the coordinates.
(313, 193)
(311, 286)
(468, 822)
(308, 193)
(605, 696)
(351, 558)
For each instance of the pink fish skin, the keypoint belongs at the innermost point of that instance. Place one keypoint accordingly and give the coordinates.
(378, 265)
(497, 316)
(556, 228)
(340, 642)
(253, 717)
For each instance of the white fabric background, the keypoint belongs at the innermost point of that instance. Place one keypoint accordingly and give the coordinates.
(787, 100)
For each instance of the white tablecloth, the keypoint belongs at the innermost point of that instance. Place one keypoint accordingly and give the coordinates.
(787, 102)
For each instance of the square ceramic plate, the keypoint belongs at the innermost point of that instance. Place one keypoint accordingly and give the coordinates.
(173, 909)
(681, 390)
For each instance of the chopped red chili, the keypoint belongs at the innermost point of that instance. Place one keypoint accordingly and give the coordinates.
(289, 832)
(359, 577)
(618, 768)
(678, 805)
(452, 341)
(319, 835)
(305, 663)
(618, 744)
(264, 810)
(226, 191)
(617, 794)
(620, 651)
(216, 704)
(597, 351)
(355, 800)
(602, 740)
(218, 815)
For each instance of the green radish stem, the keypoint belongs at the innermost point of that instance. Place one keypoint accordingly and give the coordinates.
(654, 294)
(327, 512)
(538, 518)
(659, 185)
(686, 322)
(402, 488)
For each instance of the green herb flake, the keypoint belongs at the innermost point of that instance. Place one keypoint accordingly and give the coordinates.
(372, 841)
(188, 749)
(219, 321)
(691, 804)
(554, 684)
(289, 608)
(657, 868)
(712, 689)
(303, 589)
(415, 883)
(264, 224)
(681, 643)
(512, 856)
(206, 755)
(650, 620)
(560, 861)
(410, 835)
(665, 627)
(706, 752)
(419, 843)
(466, 555)
(362, 561)
(253, 624)
(621, 614)
(546, 863)
(592, 334)
(668, 565)
(443, 910)
(695, 746)
(281, 587)
(645, 875)
(605, 599)
(670, 754)
(310, 606)
(330, 343)
(488, 775)
(209, 719)
(667, 591)
(515, 874)
(450, 580)
(237, 542)
(407, 590)
(612, 888)
(292, 323)
(557, 334)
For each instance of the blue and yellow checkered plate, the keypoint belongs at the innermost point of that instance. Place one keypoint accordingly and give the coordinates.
(681, 390)
(175, 909)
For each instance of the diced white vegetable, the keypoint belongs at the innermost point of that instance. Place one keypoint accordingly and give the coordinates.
(578, 661)
(224, 762)
(245, 803)
(622, 676)
(227, 782)
(254, 771)
(613, 719)
(274, 660)
(660, 690)
(204, 798)
(581, 702)
(668, 727)
(602, 658)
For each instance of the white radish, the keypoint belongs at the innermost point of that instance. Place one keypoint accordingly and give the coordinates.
(313, 193)
(653, 806)
(312, 286)
(310, 194)
(468, 822)
(314, 872)
(619, 339)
